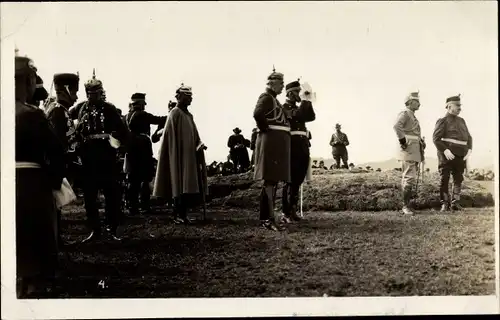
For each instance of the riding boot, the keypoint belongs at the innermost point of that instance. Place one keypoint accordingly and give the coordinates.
(407, 196)
(455, 202)
(445, 202)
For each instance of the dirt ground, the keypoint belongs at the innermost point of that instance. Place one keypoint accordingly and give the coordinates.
(230, 255)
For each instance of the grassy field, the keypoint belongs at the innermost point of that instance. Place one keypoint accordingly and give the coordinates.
(338, 254)
(352, 243)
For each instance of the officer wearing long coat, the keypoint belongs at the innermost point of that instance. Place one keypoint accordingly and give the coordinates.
(272, 148)
(407, 128)
(453, 142)
(39, 170)
(57, 112)
(299, 148)
(139, 165)
(101, 132)
(181, 173)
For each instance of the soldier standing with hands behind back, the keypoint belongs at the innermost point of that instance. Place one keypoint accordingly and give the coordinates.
(454, 144)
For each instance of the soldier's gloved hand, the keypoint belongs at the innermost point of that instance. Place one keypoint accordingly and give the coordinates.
(468, 154)
(448, 154)
(403, 143)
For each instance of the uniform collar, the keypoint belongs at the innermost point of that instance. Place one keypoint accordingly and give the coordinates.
(410, 110)
(271, 92)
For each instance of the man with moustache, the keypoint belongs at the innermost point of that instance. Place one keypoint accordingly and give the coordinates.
(139, 165)
(453, 142)
(57, 112)
(407, 128)
(181, 173)
(40, 170)
(101, 132)
(299, 148)
(272, 148)
(41, 93)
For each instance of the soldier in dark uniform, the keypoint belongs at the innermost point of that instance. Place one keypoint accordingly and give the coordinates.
(253, 139)
(39, 171)
(339, 143)
(238, 153)
(272, 149)
(40, 93)
(139, 158)
(66, 87)
(454, 146)
(101, 131)
(299, 152)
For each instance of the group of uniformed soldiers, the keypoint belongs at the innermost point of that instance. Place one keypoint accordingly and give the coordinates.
(281, 152)
(453, 142)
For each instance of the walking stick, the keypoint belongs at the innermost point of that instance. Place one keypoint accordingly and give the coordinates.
(301, 199)
(203, 196)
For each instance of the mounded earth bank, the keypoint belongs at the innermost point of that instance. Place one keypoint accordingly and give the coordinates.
(343, 190)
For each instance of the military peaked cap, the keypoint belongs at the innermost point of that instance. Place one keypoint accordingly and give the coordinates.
(24, 66)
(138, 97)
(453, 99)
(66, 79)
(295, 85)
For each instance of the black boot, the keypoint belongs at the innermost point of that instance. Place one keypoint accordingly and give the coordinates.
(445, 202)
(407, 195)
(455, 203)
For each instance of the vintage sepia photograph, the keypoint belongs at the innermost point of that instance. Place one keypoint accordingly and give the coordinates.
(340, 157)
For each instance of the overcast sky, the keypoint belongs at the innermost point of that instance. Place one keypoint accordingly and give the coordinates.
(362, 59)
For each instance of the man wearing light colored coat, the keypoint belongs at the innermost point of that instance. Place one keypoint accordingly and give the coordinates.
(407, 128)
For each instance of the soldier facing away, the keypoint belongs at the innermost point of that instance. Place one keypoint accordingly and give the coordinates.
(139, 157)
(454, 146)
(407, 128)
(299, 148)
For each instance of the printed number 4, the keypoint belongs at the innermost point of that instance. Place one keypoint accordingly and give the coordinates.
(102, 284)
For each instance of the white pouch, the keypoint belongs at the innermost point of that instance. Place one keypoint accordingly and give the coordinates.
(65, 195)
(114, 142)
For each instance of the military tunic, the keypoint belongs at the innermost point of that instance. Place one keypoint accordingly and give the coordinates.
(339, 142)
(39, 171)
(96, 123)
(407, 126)
(139, 164)
(272, 148)
(451, 133)
(299, 150)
